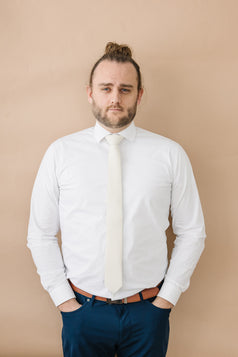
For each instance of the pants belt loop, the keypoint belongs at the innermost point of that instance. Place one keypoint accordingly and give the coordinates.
(141, 296)
(160, 284)
(92, 299)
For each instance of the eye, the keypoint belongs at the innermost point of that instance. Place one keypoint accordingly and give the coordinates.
(106, 89)
(125, 90)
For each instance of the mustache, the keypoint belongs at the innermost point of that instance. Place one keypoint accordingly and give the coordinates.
(114, 107)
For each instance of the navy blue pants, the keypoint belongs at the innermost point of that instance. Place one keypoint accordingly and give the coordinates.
(99, 329)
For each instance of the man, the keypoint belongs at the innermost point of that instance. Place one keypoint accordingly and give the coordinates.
(109, 189)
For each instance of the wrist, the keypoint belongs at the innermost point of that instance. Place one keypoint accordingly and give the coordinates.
(69, 305)
(162, 303)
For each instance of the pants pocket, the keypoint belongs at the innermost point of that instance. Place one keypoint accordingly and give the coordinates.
(157, 309)
(74, 312)
(82, 300)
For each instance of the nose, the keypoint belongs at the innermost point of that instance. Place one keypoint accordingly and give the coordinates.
(115, 98)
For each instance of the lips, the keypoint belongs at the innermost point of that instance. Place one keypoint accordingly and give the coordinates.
(116, 109)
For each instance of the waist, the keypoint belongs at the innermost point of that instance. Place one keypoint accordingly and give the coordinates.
(142, 295)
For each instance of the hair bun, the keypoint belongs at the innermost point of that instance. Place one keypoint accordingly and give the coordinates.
(113, 49)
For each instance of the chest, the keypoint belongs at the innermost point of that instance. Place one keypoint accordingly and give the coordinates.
(83, 177)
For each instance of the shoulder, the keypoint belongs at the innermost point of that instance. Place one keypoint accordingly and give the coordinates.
(70, 140)
(67, 144)
(161, 141)
(74, 137)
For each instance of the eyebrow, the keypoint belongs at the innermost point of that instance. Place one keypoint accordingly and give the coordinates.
(111, 84)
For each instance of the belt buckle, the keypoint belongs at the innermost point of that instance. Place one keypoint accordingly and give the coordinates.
(110, 301)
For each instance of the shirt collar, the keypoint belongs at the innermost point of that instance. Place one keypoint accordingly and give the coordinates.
(129, 133)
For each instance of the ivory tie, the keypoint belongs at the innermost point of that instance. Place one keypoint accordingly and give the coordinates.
(113, 255)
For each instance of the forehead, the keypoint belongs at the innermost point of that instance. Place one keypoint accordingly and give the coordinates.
(115, 72)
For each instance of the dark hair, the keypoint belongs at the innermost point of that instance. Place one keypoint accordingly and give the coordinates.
(117, 53)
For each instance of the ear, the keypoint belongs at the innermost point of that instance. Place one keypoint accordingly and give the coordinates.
(141, 91)
(89, 94)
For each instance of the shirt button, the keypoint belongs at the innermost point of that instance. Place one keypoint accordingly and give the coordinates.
(88, 299)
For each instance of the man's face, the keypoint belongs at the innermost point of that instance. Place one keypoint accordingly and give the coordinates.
(114, 95)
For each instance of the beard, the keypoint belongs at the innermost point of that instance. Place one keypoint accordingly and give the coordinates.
(103, 117)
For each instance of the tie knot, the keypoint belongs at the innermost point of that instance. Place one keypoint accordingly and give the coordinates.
(114, 139)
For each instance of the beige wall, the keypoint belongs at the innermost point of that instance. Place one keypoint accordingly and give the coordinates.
(188, 55)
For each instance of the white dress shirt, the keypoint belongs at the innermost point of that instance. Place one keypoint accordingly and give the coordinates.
(70, 193)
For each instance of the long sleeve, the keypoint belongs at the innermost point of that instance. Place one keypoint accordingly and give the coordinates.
(188, 226)
(42, 230)
(69, 194)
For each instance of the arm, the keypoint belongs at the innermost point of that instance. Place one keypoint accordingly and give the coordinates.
(42, 230)
(188, 226)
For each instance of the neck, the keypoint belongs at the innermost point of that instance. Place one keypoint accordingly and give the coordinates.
(113, 130)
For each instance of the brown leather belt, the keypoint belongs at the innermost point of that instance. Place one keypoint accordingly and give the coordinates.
(146, 293)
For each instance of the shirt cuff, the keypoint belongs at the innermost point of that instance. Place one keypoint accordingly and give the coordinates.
(62, 293)
(170, 292)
